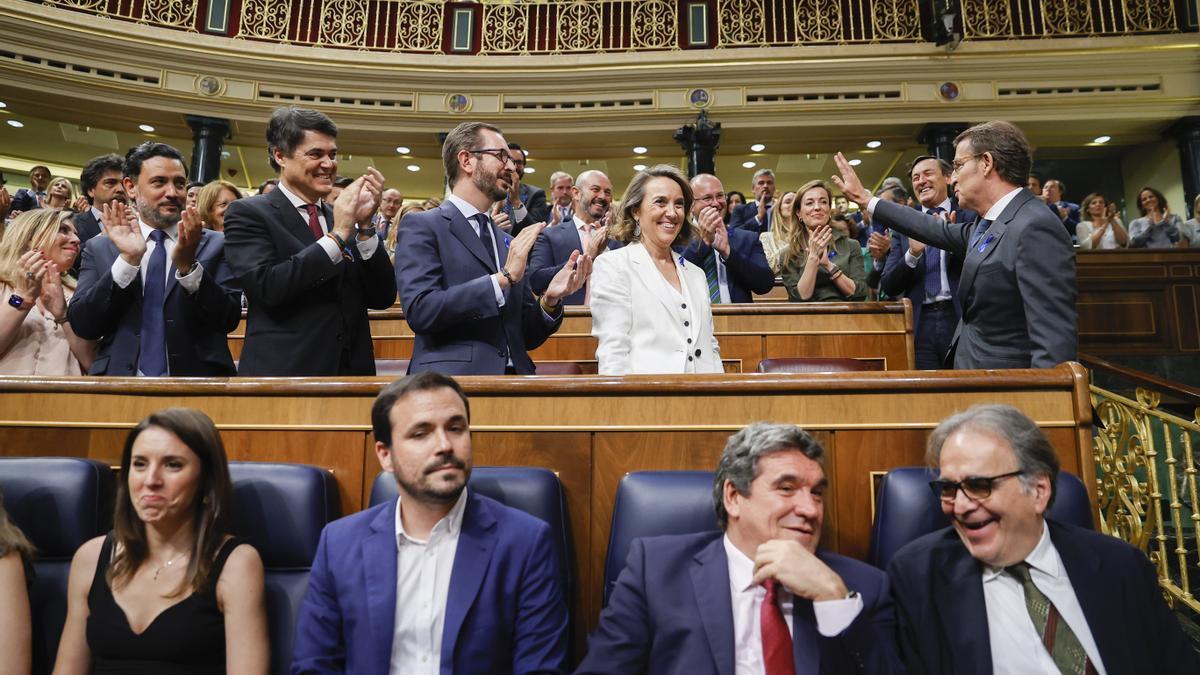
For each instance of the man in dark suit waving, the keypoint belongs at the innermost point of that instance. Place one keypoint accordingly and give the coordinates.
(309, 271)
(1017, 288)
(462, 281)
(758, 598)
(1003, 590)
(156, 291)
(733, 260)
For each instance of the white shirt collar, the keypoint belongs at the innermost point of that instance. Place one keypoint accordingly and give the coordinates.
(97, 214)
(466, 208)
(1043, 558)
(581, 225)
(296, 200)
(741, 568)
(172, 231)
(448, 526)
(998, 208)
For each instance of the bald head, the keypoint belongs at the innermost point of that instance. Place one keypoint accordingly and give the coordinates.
(709, 192)
(390, 202)
(593, 195)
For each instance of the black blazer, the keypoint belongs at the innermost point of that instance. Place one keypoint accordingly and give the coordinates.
(536, 209)
(942, 615)
(743, 217)
(899, 280)
(307, 316)
(197, 323)
(747, 269)
(87, 228)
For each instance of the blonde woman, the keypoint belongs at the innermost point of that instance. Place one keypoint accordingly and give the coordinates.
(1101, 231)
(36, 253)
(390, 242)
(821, 264)
(60, 194)
(775, 241)
(650, 307)
(212, 201)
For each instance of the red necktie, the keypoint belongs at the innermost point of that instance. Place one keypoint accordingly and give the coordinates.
(313, 223)
(776, 640)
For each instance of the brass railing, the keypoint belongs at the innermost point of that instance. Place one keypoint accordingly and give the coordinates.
(593, 26)
(1147, 461)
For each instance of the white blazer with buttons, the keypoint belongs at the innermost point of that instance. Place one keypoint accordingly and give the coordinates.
(643, 324)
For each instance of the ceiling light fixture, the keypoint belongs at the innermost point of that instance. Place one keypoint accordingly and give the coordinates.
(855, 162)
(402, 149)
(758, 147)
(748, 165)
(413, 168)
(1102, 139)
(146, 128)
(15, 123)
(639, 150)
(530, 169)
(3, 104)
(639, 167)
(874, 144)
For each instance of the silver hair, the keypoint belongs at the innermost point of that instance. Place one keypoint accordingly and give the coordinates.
(739, 459)
(559, 175)
(763, 172)
(1035, 456)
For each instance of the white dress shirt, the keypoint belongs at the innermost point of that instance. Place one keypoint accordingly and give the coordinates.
(1016, 645)
(422, 586)
(833, 616)
(366, 248)
(912, 261)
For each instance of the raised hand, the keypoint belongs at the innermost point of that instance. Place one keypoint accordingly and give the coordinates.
(878, 244)
(500, 218)
(573, 275)
(849, 183)
(794, 566)
(519, 248)
(190, 230)
(720, 240)
(123, 231)
(80, 205)
(818, 242)
(597, 243)
(52, 296)
(31, 269)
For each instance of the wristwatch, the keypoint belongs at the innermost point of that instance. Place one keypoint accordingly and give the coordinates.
(366, 232)
(17, 302)
(507, 275)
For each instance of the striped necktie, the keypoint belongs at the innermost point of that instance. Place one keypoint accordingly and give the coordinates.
(1057, 636)
(710, 274)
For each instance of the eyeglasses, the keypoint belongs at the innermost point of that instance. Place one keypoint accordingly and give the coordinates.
(976, 488)
(719, 197)
(958, 164)
(501, 154)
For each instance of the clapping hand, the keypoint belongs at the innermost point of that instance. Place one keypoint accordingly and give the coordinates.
(52, 296)
(849, 183)
(518, 251)
(573, 275)
(124, 232)
(190, 230)
(32, 267)
(500, 218)
(357, 203)
(878, 244)
(712, 230)
(597, 242)
(81, 205)
(818, 243)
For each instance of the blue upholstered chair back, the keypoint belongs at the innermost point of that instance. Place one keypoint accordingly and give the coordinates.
(59, 503)
(906, 509)
(652, 503)
(281, 509)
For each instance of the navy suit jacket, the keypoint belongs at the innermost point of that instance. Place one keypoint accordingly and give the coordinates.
(747, 270)
(942, 614)
(1017, 287)
(307, 315)
(87, 228)
(536, 208)
(505, 612)
(24, 200)
(197, 323)
(443, 273)
(670, 613)
(743, 217)
(900, 280)
(551, 251)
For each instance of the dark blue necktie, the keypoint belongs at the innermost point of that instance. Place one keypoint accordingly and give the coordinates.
(153, 359)
(933, 266)
(485, 235)
(981, 226)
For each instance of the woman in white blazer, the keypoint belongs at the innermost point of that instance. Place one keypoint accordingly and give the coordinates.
(650, 307)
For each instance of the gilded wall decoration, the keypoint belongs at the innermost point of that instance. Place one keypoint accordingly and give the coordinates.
(654, 24)
(580, 27)
(343, 23)
(419, 26)
(266, 19)
(1067, 17)
(741, 22)
(896, 19)
(818, 21)
(505, 29)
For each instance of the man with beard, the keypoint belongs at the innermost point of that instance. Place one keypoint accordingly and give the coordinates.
(732, 259)
(310, 268)
(101, 184)
(157, 294)
(592, 196)
(462, 282)
(441, 580)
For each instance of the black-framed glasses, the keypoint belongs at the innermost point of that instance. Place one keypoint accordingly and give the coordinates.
(501, 154)
(975, 488)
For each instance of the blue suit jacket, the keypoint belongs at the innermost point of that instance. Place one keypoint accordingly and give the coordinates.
(942, 614)
(442, 271)
(24, 200)
(743, 217)
(197, 324)
(551, 251)
(899, 280)
(670, 613)
(505, 612)
(747, 269)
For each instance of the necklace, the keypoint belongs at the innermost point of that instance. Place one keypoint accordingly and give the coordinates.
(167, 564)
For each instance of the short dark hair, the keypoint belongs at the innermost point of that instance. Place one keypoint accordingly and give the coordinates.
(35, 167)
(1008, 146)
(286, 129)
(381, 410)
(132, 167)
(95, 170)
(342, 181)
(945, 166)
(739, 459)
(461, 137)
(194, 183)
(517, 146)
(270, 181)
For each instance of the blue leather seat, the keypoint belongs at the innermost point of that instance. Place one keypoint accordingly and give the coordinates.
(652, 503)
(906, 509)
(59, 503)
(534, 490)
(281, 510)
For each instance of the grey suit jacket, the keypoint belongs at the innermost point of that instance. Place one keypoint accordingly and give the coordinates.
(1017, 287)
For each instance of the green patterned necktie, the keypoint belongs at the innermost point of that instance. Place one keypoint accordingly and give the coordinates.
(710, 275)
(1057, 636)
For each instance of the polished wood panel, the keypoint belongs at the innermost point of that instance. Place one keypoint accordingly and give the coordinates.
(1139, 301)
(591, 430)
(881, 332)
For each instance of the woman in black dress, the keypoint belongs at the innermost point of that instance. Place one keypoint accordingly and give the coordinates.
(168, 590)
